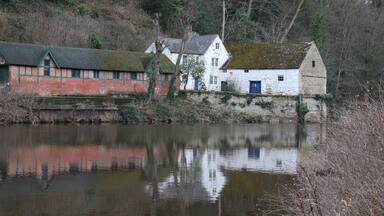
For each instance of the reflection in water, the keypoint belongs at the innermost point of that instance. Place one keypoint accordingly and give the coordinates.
(147, 170)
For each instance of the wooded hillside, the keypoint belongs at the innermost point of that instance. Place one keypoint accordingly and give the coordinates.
(347, 32)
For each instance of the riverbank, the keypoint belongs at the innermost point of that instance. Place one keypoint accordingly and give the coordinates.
(188, 107)
(345, 174)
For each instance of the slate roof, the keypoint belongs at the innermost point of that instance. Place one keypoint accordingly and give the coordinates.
(81, 58)
(266, 56)
(197, 45)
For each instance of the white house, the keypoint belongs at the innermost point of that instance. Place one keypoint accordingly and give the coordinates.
(206, 48)
(274, 69)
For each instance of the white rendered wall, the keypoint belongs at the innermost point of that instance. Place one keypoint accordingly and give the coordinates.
(222, 55)
(270, 85)
(275, 161)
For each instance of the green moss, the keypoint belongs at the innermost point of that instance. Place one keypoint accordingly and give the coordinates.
(266, 56)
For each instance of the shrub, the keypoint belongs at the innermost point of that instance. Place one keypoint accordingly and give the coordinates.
(95, 41)
(227, 96)
(345, 176)
(129, 113)
(162, 112)
(302, 111)
(84, 10)
(182, 94)
(265, 104)
(16, 108)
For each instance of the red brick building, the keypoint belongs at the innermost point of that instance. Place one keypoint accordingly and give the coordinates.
(47, 71)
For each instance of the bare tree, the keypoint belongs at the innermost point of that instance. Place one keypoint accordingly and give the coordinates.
(159, 48)
(187, 15)
(249, 10)
(288, 29)
(224, 18)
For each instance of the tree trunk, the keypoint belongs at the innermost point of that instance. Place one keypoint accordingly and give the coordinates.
(155, 62)
(223, 23)
(287, 30)
(172, 86)
(249, 11)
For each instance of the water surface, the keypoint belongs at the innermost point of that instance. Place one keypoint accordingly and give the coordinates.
(148, 169)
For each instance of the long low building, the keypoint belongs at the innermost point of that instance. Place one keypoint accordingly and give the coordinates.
(46, 70)
(274, 69)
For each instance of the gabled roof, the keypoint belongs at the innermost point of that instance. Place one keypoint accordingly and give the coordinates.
(266, 56)
(197, 45)
(80, 58)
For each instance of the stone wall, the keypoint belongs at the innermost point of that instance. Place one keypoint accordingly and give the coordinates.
(267, 108)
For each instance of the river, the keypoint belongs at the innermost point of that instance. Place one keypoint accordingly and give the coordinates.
(158, 170)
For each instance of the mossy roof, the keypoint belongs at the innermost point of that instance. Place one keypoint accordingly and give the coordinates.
(81, 58)
(266, 56)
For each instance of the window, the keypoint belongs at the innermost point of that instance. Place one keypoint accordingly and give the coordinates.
(225, 71)
(313, 63)
(133, 76)
(47, 67)
(116, 75)
(213, 62)
(215, 80)
(246, 71)
(96, 74)
(281, 78)
(210, 79)
(217, 46)
(76, 73)
(185, 59)
(216, 62)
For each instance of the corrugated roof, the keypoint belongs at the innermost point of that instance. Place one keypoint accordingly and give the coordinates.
(197, 45)
(81, 58)
(266, 56)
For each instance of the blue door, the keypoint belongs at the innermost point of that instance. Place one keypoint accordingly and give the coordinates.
(196, 84)
(255, 87)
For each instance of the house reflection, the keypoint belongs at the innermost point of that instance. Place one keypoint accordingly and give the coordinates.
(46, 161)
(201, 172)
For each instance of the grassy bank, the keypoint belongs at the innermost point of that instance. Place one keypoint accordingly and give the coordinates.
(131, 108)
(182, 110)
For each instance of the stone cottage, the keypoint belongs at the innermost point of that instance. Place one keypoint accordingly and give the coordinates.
(274, 69)
(47, 70)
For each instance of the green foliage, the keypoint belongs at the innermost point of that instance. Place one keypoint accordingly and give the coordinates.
(84, 10)
(140, 96)
(68, 3)
(182, 94)
(207, 20)
(250, 99)
(302, 111)
(265, 104)
(129, 113)
(95, 41)
(244, 25)
(162, 112)
(316, 29)
(231, 87)
(227, 96)
(166, 8)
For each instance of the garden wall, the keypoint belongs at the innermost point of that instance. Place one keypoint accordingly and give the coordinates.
(267, 108)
